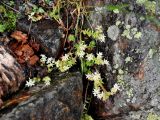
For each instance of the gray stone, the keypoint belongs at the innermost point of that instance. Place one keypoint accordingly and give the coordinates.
(45, 32)
(60, 101)
(113, 32)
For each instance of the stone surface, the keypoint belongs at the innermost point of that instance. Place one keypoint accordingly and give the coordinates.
(60, 101)
(140, 83)
(11, 73)
(46, 32)
(113, 32)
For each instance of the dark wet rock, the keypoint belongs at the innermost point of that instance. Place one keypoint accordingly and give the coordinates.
(46, 32)
(11, 73)
(60, 101)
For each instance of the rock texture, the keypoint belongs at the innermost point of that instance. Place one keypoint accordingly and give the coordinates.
(11, 73)
(46, 32)
(140, 82)
(60, 101)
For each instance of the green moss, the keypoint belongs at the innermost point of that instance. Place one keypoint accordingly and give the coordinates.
(7, 20)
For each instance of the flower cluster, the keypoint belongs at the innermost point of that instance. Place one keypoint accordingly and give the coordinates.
(98, 59)
(80, 49)
(97, 34)
(98, 90)
(101, 36)
(33, 81)
(47, 80)
(49, 62)
(66, 62)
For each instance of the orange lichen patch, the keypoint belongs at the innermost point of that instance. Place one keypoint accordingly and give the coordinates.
(33, 60)
(27, 51)
(19, 36)
(24, 49)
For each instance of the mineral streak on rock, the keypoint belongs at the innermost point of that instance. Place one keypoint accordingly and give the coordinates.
(11, 73)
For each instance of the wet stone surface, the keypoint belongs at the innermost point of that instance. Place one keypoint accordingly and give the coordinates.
(60, 101)
(46, 32)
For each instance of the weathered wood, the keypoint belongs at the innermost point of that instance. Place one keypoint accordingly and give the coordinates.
(11, 73)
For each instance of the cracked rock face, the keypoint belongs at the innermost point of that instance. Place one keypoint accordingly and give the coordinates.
(11, 73)
(60, 101)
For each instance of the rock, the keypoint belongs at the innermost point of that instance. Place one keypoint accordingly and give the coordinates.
(139, 93)
(11, 73)
(46, 32)
(130, 19)
(60, 101)
(140, 85)
(113, 32)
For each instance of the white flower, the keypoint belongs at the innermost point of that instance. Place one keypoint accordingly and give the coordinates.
(82, 46)
(50, 65)
(102, 37)
(47, 83)
(99, 96)
(106, 62)
(89, 76)
(94, 76)
(47, 80)
(65, 57)
(98, 59)
(43, 58)
(99, 55)
(96, 91)
(116, 11)
(30, 83)
(115, 89)
(50, 60)
(117, 86)
(80, 53)
(97, 76)
(90, 57)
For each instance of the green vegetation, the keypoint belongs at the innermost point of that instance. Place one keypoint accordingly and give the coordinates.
(153, 116)
(83, 43)
(7, 20)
